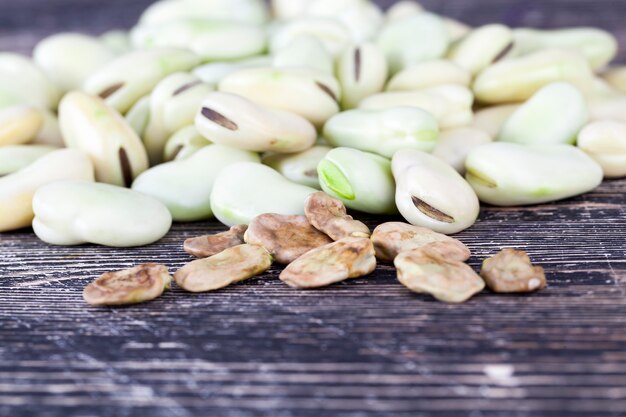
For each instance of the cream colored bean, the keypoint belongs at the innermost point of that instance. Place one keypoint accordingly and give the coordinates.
(210, 40)
(616, 77)
(453, 146)
(352, 257)
(15, 157)
(68, 59)
(383, 131)
(518, 79)
(333, 34)
(402, 9)
(139, 115)
(245, 11)
(232, 120)
(425, 272)
(311, 94)
(421, 37)
(598, 46)
(131, 76)
(50, 132)
(91, 126)
(553, 115)
(451, 105)
(482, 47)
(184, 143)
(429, 74)
(305, 51)
(456, 29)
(174, 103)
(509, 174)
(17, 189)
(391, 239)
(116, 40)
(361, 180)
(361, 71)
(491, 119)
(430, 193)
(300, 167)
(214, 72)
(329, 215)
(77, 212)
(22, 82)
(362, 18)
(131, 286)
(269, 192)
(233, 265)
(605, 142)
(19, 124)
(611, 108)
(289, 9)
(185, 186)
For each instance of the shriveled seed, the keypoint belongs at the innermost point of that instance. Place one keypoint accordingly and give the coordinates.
(209, 245)
(424, 271)
(130, 286)
(228, 267)
(391, 239)
(285, 237)
(351, 257)
(511, 271)
(329, 215)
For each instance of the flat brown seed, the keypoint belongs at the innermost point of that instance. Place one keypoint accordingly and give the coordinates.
(109, 91)
(329, 215)
(327, 90)
(431, 212)
(219, 119)
(209, 245)
(511, 271)
(285, 237)
(391, 239)
(425, 272)
(227, 267)
(131, 286)
(127, 170)
(351, 257)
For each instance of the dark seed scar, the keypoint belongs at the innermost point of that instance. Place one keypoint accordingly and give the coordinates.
(127, 171)
(109, 91)
(219, 119)
(432, 212)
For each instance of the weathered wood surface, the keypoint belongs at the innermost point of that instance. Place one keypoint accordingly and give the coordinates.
(363, 348)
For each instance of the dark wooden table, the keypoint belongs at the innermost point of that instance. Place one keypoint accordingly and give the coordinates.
(363, 348)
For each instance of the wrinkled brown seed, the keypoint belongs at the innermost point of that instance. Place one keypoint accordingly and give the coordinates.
(327, 90)
(109, 91)
(512, 271)
(285, 237)
(219, 119)
(186, 87)
(131, 286)
(351, 257)
(209, 245)
(329, 215)
(431, 211)
(426, 272)
(227, 267)
(391, 239)
(127, 171)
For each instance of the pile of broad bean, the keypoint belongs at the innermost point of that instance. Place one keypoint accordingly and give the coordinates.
(234, 109)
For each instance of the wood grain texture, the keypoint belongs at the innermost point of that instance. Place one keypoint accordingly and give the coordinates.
(364, 348)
